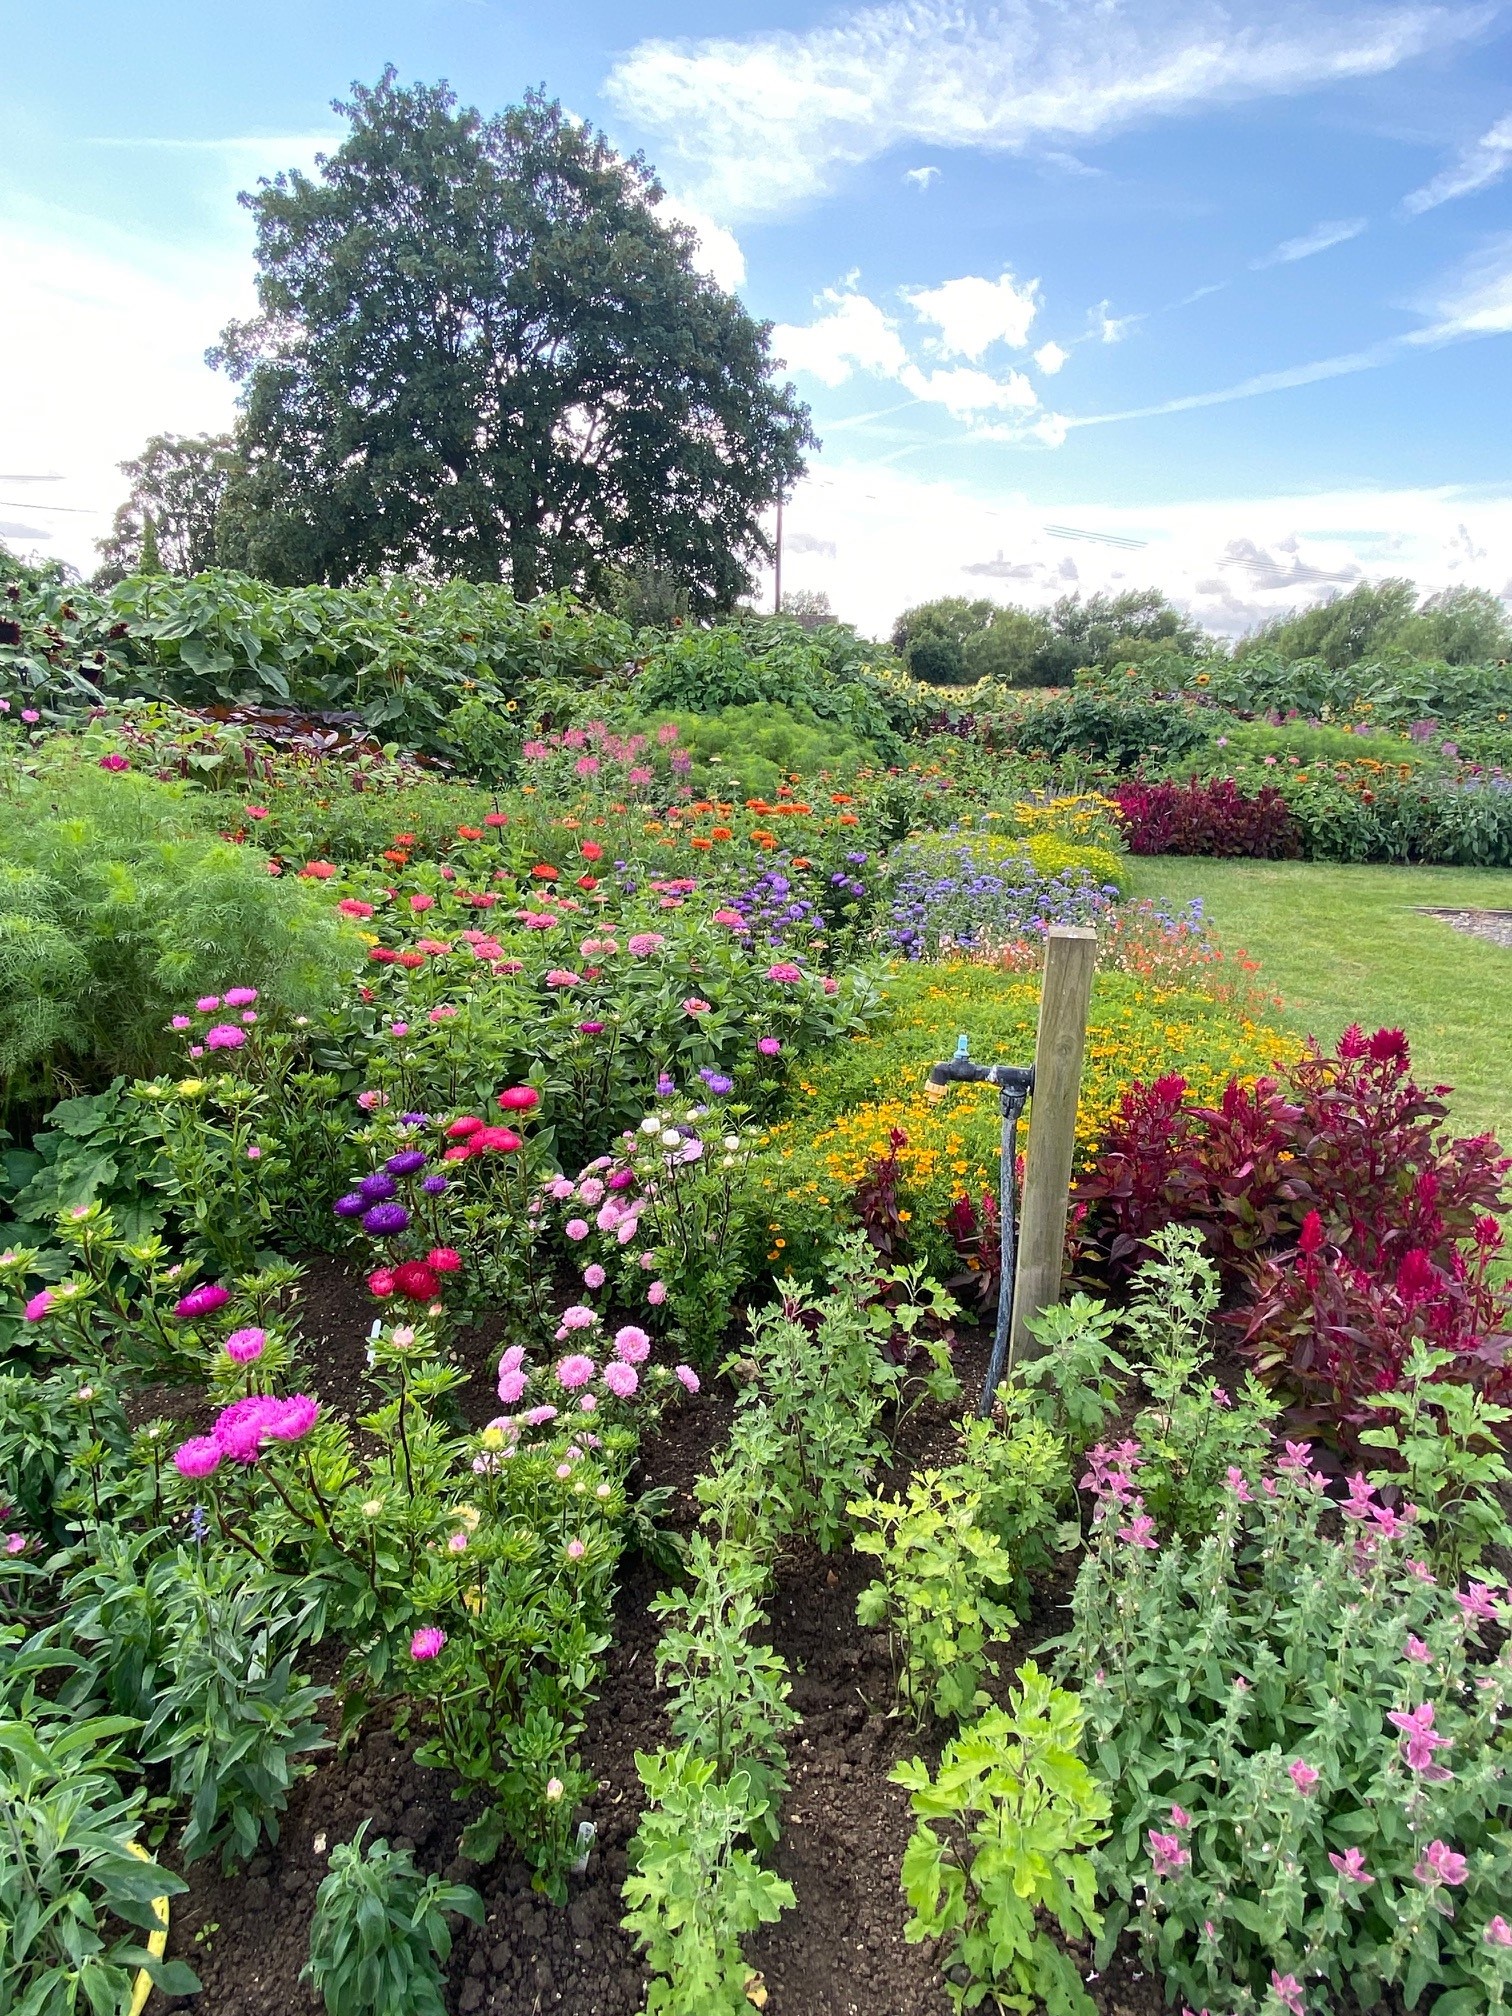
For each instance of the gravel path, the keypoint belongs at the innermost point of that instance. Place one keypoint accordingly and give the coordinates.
(1493, 925)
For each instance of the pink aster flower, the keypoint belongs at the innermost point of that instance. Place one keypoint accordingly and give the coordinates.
(769, 1046)
(620, 1378)
(427, 1642)
(1440, 1864)
(574, 1370)
(207, 1004)
(591, 1191)
(539, 1416)
(576, 1228)
(224, 1036)
(631, 1344)
(687, 1376)
(201, 1301)
(1351, 1866)
(198, 1456)
(656, 1294)
(243, 1346)
(181, 1022)
(593, 1276)
(240, 997)
(38, 1306)
(292, 1419)
(579, 1317)
(575, 1550)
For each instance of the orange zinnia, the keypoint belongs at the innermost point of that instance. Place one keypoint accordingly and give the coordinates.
(720, 833)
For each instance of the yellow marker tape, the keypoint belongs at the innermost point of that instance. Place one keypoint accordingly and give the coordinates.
(157, 1942)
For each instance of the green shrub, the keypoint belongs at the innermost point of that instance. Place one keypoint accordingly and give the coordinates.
(379, 1936)
(117, 905)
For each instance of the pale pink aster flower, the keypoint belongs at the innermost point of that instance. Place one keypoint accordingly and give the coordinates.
(620, 1378)
(688, 1377)
(575, 1370)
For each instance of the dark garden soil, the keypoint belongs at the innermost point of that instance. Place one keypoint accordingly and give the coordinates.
(840, 1953)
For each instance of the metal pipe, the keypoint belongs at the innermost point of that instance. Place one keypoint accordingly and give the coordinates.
(1015, 1082)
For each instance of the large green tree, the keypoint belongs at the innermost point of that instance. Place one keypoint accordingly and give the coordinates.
(482, 352)
(168, 521)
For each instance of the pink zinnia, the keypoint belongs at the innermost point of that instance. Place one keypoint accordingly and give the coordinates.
(688, 1377)
(427, 1642)
(574, 1370)
(242, 1346)
(198, 1456)
(785, 972)
(621, 1379)
(695, 1006)
(644, 943)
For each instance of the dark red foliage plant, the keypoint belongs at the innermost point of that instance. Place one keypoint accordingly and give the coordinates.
(976, 1233)
(1344, 1217)
(876, 1201)
(1214, 818)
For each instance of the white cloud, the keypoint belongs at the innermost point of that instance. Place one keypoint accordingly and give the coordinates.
(921, 177)
(1107, 327)
(1050, 357)
(852, 335)
(1476, 302)
(963, 392)
(1321, 238)
(718, 253)
(761, 123)
(107, 333)
(971, 313)
(899, 539)
(1481, 164)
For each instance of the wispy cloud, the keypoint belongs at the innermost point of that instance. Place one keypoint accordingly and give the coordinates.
(760, 123)
(922, 177)
(1481, 164)
(1475, 301)
(1321, 238)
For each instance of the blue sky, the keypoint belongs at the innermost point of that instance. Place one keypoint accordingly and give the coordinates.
(1082, 294)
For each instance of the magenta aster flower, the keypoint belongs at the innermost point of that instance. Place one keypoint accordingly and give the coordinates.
(201, 1301)
(208, 1003)
(38, 1306)
(198, 1456)
(240, 997)
(224, 1036)
(427, 1642)
(243, 1346)
(292, 1419)
(769, 1046)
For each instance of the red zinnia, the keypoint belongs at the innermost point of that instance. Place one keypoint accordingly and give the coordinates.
(544, 872)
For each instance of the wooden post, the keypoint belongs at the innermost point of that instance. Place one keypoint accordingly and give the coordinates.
(1070, 959)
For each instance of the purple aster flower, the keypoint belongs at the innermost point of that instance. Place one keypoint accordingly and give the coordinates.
(384, 1219)
(379, 1187)
(352, 1205)
(406, 1162)
(433, 1185)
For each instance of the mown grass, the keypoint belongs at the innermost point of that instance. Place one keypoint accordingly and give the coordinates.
(1344, 945)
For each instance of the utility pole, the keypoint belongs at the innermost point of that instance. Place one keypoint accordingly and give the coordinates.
(777, 597)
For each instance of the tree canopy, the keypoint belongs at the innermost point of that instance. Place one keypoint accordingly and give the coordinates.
(481, 352)
(957, 640)
(1383, 620)
(167, 524)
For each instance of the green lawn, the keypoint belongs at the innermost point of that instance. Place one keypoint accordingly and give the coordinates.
(1344, 945)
